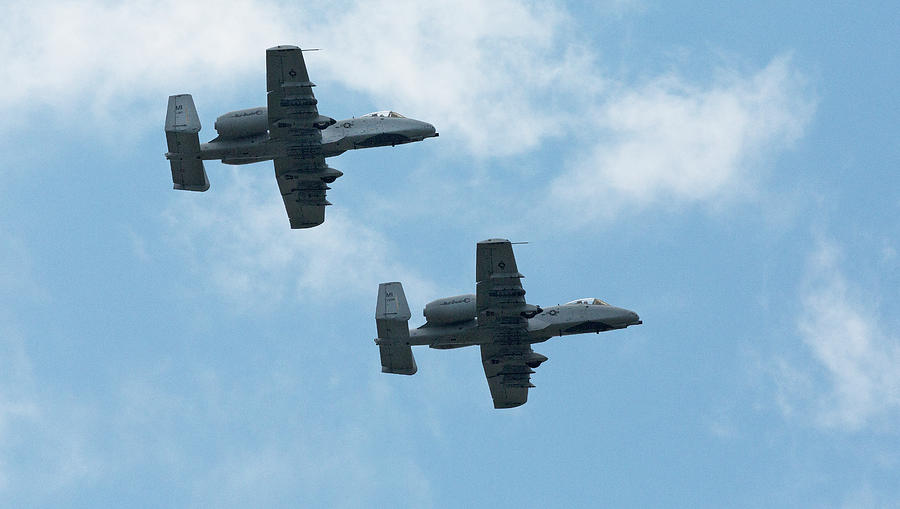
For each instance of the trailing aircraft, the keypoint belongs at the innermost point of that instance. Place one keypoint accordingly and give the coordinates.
(496, 318)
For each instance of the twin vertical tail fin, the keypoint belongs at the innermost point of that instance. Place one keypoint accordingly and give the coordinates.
(392, 320)
(182, 126)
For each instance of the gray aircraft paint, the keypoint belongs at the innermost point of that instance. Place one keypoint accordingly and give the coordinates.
(343, 135)
(502, 324)
(289, 131)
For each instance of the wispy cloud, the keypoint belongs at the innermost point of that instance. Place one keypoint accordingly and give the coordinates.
(671, 142)
(239, 239)
(473, 68)
(17, 280)
(97, 60)
(497, 78)
(853, 382)
(285, 445)
(45, 444)
(500, 75)
(16, 388)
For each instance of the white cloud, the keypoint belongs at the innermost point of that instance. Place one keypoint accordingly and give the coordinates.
(843, 333)
(98, 59)
(239, 239)
(500, 74)
(472, 68)
(673, 143)
(496, 78)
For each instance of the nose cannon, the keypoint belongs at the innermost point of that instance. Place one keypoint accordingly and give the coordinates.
(636, 320)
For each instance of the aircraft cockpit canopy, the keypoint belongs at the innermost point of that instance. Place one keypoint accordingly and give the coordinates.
(588, 302)
(385, 114)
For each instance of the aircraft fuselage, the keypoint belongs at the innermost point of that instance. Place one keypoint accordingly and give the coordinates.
(343, 135)
(552, 321)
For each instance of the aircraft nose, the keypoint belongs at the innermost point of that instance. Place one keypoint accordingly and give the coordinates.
(633, 318)
(428, 129)
(418, 130)
(626, 317)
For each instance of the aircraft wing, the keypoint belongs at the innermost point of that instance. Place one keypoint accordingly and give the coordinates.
(303, 194)
(498, 290)
(294, 132)
(508, 377)
(501, 307)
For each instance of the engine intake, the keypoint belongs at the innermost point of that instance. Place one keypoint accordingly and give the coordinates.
(460, 308)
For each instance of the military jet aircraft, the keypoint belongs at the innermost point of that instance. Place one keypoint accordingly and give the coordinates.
(496, 318)
(289, 130)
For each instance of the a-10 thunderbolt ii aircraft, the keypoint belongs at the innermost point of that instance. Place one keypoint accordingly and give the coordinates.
(496, 318)
(288, 130)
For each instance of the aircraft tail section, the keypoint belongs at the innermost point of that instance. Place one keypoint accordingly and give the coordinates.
(392, 320)
(182, 126)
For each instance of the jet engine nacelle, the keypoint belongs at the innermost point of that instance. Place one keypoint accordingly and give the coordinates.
(460, 308)
(254, 122)
(243, 123)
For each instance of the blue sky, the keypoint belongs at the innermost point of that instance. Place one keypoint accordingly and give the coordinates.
(728, 171)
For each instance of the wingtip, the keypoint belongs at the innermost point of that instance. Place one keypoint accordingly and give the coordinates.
(283, 47)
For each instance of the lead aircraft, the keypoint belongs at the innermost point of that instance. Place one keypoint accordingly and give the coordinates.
(496, 318)
(289, 130)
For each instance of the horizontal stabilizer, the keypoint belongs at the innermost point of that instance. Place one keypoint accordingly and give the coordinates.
(397, 359)
(189, 175)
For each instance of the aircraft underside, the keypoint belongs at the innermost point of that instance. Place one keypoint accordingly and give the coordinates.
(254, 150)
(496, 318)
(289, 131)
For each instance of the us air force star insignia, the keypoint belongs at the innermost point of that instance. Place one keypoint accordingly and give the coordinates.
(502, 265)
(292, 73)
